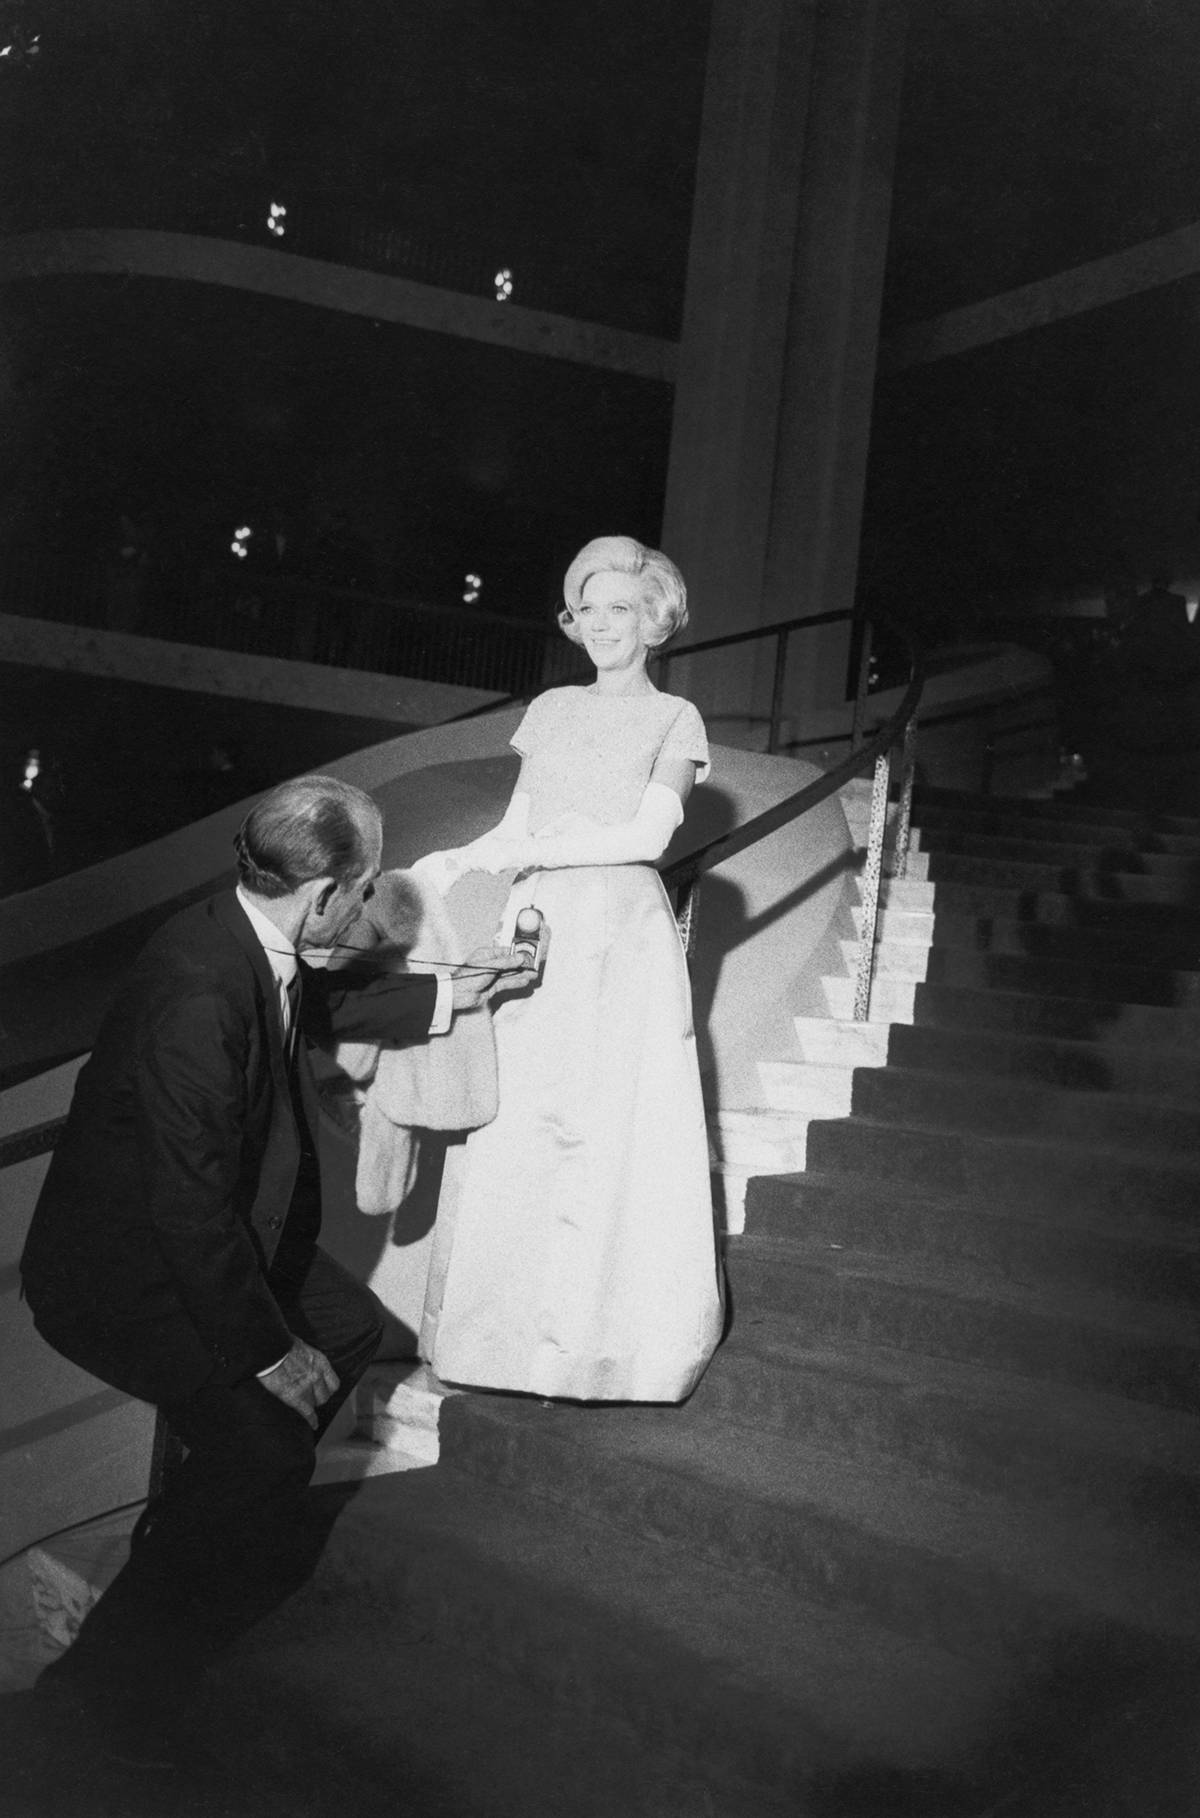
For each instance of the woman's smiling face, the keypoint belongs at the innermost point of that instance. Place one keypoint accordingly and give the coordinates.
(609, 617)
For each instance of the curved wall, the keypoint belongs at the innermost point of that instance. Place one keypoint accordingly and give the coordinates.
(269, 271)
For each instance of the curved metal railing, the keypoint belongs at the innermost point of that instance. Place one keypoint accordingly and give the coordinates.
(682, 878)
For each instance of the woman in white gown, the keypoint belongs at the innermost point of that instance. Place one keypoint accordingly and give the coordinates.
(574, 1254)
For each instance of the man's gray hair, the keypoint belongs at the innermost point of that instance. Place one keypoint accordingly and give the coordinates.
(314, 826)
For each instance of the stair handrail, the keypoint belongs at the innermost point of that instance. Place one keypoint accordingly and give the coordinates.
(682, 877)
(780, 629)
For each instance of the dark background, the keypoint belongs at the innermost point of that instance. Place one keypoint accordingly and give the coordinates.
(555, 138)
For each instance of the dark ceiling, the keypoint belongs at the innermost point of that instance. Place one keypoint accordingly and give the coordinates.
(557, 137)
(1037, 134)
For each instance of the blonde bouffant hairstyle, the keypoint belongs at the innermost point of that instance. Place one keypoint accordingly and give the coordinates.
(660, 591)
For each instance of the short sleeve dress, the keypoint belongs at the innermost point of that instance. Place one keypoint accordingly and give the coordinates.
(574, 1254)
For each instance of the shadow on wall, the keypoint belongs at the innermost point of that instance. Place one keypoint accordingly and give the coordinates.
(769, 921)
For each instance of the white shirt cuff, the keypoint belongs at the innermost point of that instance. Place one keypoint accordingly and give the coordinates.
(443, 1010)
(274, 1366)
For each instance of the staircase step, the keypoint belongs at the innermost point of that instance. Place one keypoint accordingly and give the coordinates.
(1074, 1018)
(1102, 946)
(1081, 828)
(759, 1141)
(1077, 1451)
(938, 1562)
(1047, 1178)
(816, 1089)
(758, 1700)
(825, 1041)
(1171, 1073)
(1062, 977)
(893, 959)
(822, 1214)
(1052, 812)
(1155, 887)
(338, 1717)
(1076, 972)
(892, 999)
(911, 895)
(1104, 1120)
(909, 927)
(1094, 855)
(397, 1410)
(1073, 909)
(948, 1309)
(916, 865)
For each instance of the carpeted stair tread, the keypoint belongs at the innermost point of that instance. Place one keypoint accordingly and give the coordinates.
(1059, 809)
(687, 1655)
(767, 1506)
(818, 1214)
(1168, 888)
(1037, 811)
(970, 1283)
(991, 1170)
(1168, 1071)
(1146, 1350)
(805, 1208)
(1050, 907)
(1171, 949)
(1042, 1013)
(1099, 1340)
(1123, 1122)
(352, 1721)
(769, 1378)
(1079, 829)
(1094, 855)
(1095, 852)
(1060, 975)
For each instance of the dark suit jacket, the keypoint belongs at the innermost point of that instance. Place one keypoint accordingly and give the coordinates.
(168, 1192)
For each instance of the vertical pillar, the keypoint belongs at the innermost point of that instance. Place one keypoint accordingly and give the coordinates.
(777, 355)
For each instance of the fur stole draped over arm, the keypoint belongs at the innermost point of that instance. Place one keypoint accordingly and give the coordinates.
(447, 1082)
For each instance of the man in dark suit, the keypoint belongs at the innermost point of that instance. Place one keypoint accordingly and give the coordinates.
(173, 1250)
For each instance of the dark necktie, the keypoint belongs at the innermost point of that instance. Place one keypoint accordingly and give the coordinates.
(293, 1012)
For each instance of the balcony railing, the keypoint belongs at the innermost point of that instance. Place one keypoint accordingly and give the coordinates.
(315, 228)
(293, 617)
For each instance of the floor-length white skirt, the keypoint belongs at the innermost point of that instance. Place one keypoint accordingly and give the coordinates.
(574, 1253)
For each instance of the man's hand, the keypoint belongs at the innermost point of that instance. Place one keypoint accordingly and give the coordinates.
(304, 1380)
(498, 970)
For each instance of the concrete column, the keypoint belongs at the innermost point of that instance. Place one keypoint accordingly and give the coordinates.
(777, 358)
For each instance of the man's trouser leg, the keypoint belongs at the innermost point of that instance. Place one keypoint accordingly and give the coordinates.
(229, 1539)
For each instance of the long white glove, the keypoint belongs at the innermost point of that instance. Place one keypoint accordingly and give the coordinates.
(571, 839)
(575, 839)
(487, 853)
